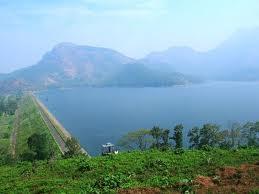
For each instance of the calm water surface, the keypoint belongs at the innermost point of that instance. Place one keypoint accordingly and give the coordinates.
(100, 115)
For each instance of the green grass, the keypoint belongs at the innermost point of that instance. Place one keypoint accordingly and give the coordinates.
(127, 170)
(30, 121)
(6, 127)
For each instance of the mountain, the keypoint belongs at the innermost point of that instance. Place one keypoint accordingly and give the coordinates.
(181, 59)
(237, 58)
(68, 65)
(138, 75)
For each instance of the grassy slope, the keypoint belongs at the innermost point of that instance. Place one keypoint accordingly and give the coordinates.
(126, 170)
(30, 122)
(6, 126)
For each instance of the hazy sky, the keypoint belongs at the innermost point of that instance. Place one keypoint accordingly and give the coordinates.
(29, 28)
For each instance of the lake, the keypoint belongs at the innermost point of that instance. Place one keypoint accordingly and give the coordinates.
(99, 115)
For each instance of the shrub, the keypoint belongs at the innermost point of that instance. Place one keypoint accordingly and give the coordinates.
(156, 164)
(6, 135)
(254, 191)
(207, 148)
(109, 182)
(84, 165)
(179, 151)
(38, 143)
(28, 156)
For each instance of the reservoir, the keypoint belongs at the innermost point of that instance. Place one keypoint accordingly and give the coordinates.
(96, 116)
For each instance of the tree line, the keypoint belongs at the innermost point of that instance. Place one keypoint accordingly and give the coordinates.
(209, 135)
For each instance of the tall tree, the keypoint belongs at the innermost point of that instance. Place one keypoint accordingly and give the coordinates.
(156, 133)
(235, 134)
(250, 132)
(178, 136)
(231, 138)
(165, 137)
(210, 135)
(194, 137)
(137, 139)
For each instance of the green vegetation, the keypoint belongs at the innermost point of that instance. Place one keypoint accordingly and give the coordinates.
(74, 149)
(178, 136)
(6, 127)
(31, 122)
(152, 168)
(39, 148)
(8, 106)
(136, 139)
(155, 158)
(209, 135)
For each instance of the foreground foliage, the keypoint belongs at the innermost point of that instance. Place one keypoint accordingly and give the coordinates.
(152, 168)
(6, 127)
(8, 106)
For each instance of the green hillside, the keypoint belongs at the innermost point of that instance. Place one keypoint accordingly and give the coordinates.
(166, 170)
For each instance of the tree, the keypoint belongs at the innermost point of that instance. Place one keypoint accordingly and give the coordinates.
(165, 138)
(250, 132)
(137, 139)
(235, 135)
(194, 137)
(178, 136)
(156, 133)
(210, 135)
(38, 144)
(73, 147)
(231, 138)
(226, 142)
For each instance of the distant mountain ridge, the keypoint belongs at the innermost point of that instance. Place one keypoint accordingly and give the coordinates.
(236, 59)
(68, 65)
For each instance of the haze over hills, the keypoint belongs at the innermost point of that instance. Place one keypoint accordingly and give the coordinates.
(236, 59)
(68, 65)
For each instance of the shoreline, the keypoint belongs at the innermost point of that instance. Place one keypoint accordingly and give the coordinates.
(207, 82)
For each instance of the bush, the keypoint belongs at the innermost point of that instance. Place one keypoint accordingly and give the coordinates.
(254, 191)
(84, 165)
(73, 147)
(6, 136)
(38, 143)
(179, 151)
(156, 164)
(109, 182)
(207, 148)
(28, 156)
